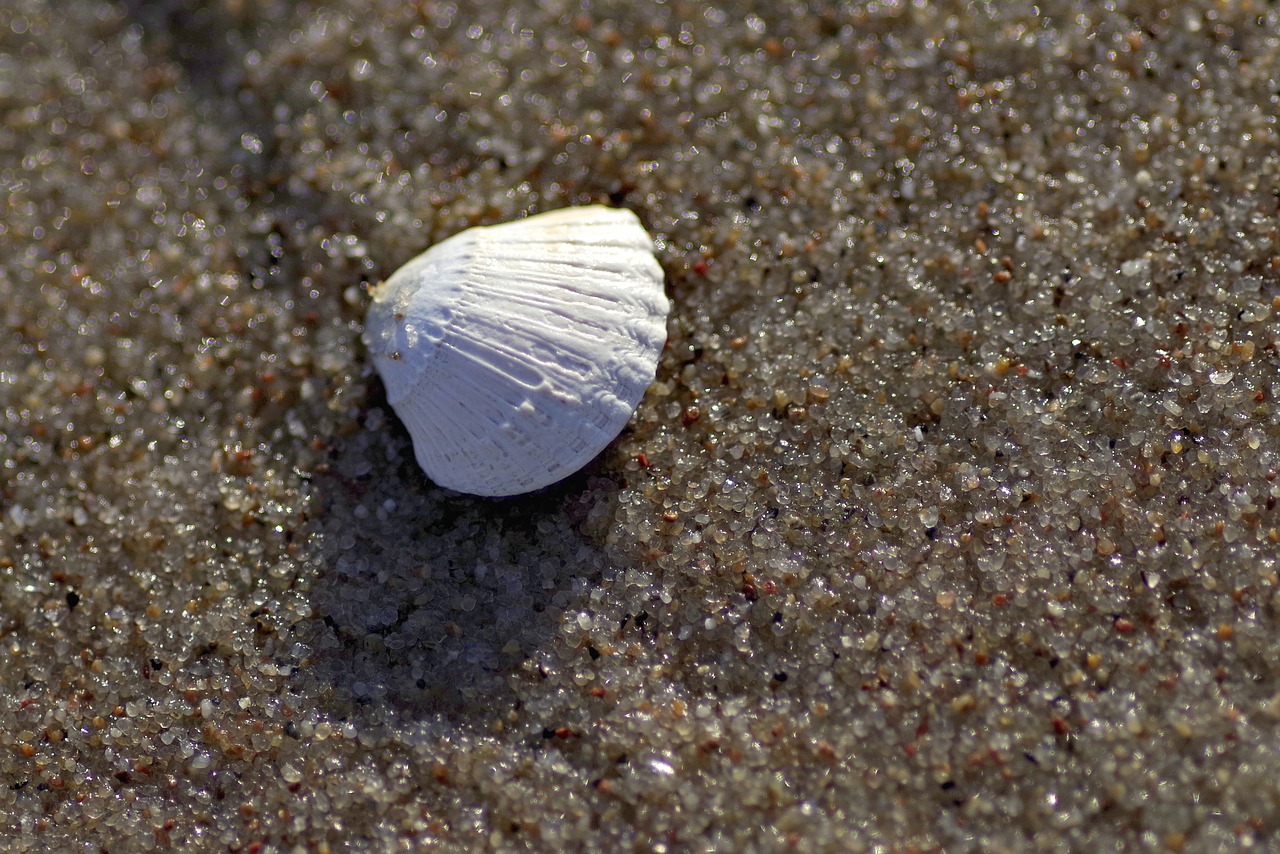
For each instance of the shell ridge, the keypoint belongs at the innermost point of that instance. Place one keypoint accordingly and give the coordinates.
(623, 262)
(558, 365)
(532, 450)
(487, 354)
(487, 454)
(439, 422)
(572, 413)
(585, 353)
(605, 291)
(550, 290)
(516, 311)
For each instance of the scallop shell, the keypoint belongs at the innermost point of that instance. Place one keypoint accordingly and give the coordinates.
(515, 353)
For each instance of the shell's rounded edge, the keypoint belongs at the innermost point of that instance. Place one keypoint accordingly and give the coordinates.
(409, 313)
(551, 329)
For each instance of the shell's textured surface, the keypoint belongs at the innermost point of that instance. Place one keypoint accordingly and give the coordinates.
(515, 353)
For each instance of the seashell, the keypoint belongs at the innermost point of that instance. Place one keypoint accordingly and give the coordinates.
(515, 353)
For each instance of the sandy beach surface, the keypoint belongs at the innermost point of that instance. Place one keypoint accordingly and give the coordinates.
(949, 524)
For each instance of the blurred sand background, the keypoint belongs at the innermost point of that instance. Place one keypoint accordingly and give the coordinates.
(949, 524)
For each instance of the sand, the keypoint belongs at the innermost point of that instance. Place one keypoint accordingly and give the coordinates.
(949, 524)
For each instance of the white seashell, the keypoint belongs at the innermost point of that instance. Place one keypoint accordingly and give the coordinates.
(515, 353)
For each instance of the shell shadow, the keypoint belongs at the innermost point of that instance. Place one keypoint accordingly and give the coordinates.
(428, 602)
